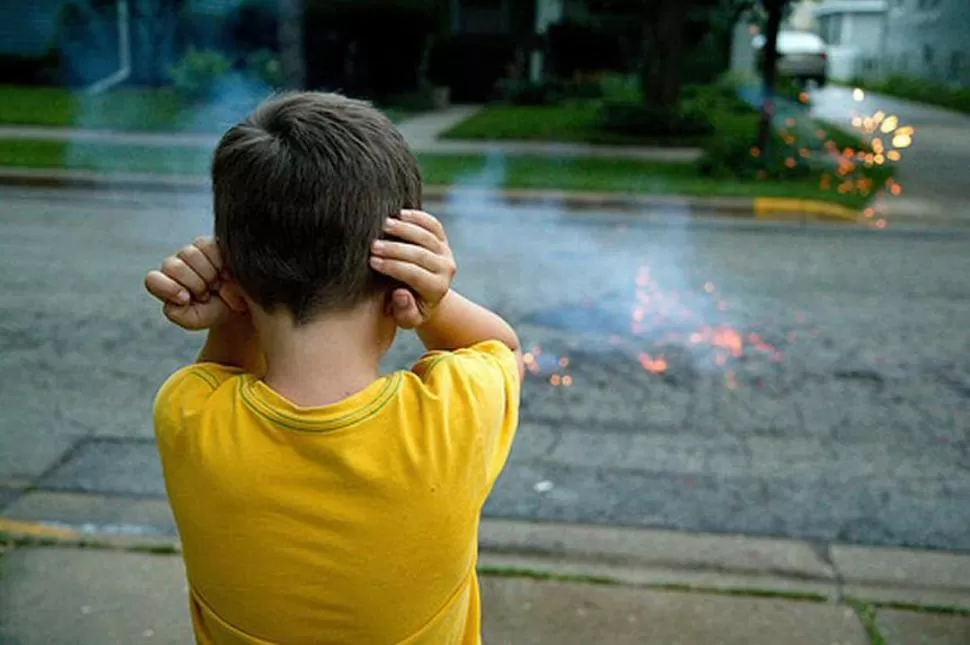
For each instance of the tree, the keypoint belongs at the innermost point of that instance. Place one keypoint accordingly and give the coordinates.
(775, 10)
(664, 25)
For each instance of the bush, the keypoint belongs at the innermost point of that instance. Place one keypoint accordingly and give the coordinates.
(711, 99)
(198, 73)
(420, 100)
(519, 92)
(639, 120)
(621, 87)
(264, 66)
(30, 70)
(954, 98)
(733, 151)
(547, 92)
(729, 153)
(471, 64)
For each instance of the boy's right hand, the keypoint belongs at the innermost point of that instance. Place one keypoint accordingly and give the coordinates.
(192, 286)
(422, 260)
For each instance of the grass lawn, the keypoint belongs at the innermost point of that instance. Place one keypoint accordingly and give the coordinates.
(126, 109)
(606, 175)
(572, 122)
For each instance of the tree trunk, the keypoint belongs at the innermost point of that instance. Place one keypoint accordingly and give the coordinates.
(663, 54)
(292, 60)
(775, 10)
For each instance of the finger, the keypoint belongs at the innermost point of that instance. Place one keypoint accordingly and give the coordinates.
(178, 270)
(426, 221)
(199, 262)
(185, 316)
(409, 253)
(416, 277)
(411, 232)
(197, 315)
(166, 289)
(208, 245)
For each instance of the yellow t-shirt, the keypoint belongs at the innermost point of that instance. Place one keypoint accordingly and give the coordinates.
(356, 522)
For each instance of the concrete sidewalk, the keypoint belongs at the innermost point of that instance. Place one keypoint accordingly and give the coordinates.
(422, 133)
(543, 582)
(55, 595)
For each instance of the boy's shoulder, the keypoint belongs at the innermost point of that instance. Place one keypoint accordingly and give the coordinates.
(487, 360)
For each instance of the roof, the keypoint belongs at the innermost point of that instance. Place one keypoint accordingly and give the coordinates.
(850, 6)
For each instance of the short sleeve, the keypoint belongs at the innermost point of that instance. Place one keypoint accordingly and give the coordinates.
(483, 381)
(184, 394)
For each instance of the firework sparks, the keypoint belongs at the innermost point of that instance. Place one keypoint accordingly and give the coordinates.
(654, 365)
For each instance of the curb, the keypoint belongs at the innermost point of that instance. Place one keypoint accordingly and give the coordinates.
(733, 207)
(758, 209)
(638, 557)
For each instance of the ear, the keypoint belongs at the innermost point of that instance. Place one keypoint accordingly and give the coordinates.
(232, 294)
(405, 310)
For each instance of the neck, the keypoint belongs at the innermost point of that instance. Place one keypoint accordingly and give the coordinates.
(323, 361)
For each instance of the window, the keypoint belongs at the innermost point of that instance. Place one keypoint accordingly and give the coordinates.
(831, 29)
(927, 55)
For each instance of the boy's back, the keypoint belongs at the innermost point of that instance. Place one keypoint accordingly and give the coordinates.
(352, 523)
(318, 501)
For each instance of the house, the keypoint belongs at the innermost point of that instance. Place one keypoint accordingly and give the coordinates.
(928, 39)
(854, 33)
(801, 17)
(28, 28)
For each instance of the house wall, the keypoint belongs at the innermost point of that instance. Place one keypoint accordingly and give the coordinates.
(928, 39)
(802, 16)
(28, 28)
(855, 42)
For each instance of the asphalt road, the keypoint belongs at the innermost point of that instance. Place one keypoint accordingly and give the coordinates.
(811, 383)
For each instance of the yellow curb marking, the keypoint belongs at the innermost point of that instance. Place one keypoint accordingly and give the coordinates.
(779, 207)
(36, 529)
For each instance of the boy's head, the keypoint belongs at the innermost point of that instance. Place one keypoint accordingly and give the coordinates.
(301, 190)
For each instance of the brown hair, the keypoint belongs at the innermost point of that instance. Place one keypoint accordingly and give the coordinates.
(301, 189)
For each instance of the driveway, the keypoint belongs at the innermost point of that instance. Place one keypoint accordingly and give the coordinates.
(934, 169)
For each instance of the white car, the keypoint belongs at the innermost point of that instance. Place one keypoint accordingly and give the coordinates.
(802, 55)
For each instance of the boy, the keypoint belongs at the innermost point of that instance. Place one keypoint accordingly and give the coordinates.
(317, 501)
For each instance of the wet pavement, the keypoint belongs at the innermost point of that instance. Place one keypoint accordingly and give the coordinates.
(801, 382)
(934, 168)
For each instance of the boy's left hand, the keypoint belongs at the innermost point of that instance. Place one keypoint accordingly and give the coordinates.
(192, 286)
(422, 260)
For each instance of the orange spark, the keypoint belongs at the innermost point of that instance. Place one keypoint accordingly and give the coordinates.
(729, 339)
(654, 365)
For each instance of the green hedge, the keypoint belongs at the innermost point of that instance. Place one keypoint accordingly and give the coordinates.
(953, 98)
